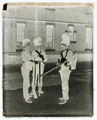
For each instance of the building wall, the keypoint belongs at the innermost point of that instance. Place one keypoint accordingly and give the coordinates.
(15, 58)
(59, 17)
(76, 14)
(9, 33)
(66, 14)
(8, 36)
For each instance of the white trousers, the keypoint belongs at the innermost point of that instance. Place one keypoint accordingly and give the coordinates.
(65, 74)
(25, 70)
(37, 80)
(26, 83)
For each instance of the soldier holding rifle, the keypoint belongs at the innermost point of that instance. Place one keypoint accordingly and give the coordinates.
(65, 69)
(40, 57)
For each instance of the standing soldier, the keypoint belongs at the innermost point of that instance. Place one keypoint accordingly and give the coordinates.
(40, 57)
(25, 69)
(66, 58)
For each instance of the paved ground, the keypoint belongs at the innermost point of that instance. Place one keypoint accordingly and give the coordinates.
(80, 103)
(13, 80)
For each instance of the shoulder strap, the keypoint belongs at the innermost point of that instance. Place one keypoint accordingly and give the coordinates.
(66, 53)
(39, 54)
(62, 53)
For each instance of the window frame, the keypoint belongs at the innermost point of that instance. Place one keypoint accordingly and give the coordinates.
(50, 48)
(70, 32)
(74, 41)
(20, 43)
(86, 48)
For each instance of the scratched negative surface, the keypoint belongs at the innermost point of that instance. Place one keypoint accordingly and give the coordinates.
(48, 21)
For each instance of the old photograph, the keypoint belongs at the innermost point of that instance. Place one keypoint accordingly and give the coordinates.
(47, 59)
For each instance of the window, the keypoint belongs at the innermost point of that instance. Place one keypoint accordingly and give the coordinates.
(72, 34)
(89, 38)
(70, 30)
(49, 36)
(20, 34)
(75, 37)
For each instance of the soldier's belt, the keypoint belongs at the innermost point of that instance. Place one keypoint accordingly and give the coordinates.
(30, 61)
(36, 62)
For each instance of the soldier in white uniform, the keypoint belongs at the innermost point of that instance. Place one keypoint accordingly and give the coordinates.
(65, 69)
(40, 57)
(26, 67)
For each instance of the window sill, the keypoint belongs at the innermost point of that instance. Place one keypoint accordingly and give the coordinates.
(50, 50)
(73, 42)
(91, 50)
(18, 50)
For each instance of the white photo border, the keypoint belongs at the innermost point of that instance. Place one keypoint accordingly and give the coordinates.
(94, 62)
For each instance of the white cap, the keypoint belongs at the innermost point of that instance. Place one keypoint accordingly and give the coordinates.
(37, 41)
(25, 41)
(65, 39)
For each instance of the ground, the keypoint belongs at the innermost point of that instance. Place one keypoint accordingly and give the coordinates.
(81, 93)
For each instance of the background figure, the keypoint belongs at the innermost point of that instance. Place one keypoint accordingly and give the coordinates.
(65, 70)
(40, 57)
(25, 69)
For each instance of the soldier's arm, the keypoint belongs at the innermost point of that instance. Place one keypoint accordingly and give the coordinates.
(35, 57)
(42, 57)
(25, 56)
(32, 55)
(45, 56)
(70, 57)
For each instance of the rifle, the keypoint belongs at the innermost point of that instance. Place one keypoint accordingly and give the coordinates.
(39, 78)
(53, 68)
(34, 82)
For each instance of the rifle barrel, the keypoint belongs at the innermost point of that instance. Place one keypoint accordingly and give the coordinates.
(53, 69)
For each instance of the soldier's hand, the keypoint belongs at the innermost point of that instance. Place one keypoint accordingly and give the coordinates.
(36, 62)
